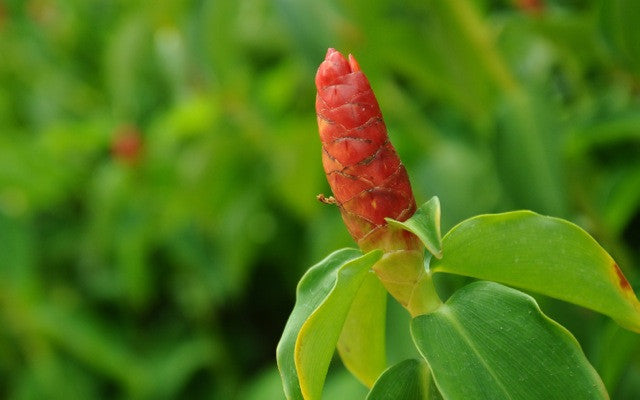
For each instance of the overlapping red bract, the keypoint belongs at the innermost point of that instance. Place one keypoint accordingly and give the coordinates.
(368, 180)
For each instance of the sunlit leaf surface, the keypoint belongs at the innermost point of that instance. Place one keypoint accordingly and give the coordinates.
(542, 254)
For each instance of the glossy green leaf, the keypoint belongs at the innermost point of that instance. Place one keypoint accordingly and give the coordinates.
(320, 333)
(362, 341)
(493, 342)
(425, 224)
(312, 289)
(407, 380)
(542, 254)
(323, 299)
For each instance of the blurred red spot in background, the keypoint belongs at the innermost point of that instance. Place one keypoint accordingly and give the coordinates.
(127, 144)
(531, 6)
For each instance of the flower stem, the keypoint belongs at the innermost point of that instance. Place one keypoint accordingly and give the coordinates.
(425, 299)
(403, 274)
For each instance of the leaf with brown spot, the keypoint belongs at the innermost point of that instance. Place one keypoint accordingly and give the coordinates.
(543, 254)
(622, 281)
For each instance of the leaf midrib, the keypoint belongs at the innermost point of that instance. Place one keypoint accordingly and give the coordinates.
(447, 313)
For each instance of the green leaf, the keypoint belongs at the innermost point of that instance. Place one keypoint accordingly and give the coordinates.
(362, 341)
(407, 380)
(312, 289)
(493, 342)
(425, 224)
(324, 296)
(542, 254)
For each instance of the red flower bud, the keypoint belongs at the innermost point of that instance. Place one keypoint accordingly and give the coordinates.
(368, 180)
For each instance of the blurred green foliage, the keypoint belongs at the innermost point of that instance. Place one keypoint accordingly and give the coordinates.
(159, 162)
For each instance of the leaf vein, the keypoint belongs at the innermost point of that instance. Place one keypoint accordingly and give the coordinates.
(448, 314)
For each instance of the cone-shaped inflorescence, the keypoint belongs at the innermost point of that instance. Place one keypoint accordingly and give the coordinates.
(368, 180)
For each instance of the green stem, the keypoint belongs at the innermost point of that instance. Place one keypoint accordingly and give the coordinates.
(403, 274)
(424, 299)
